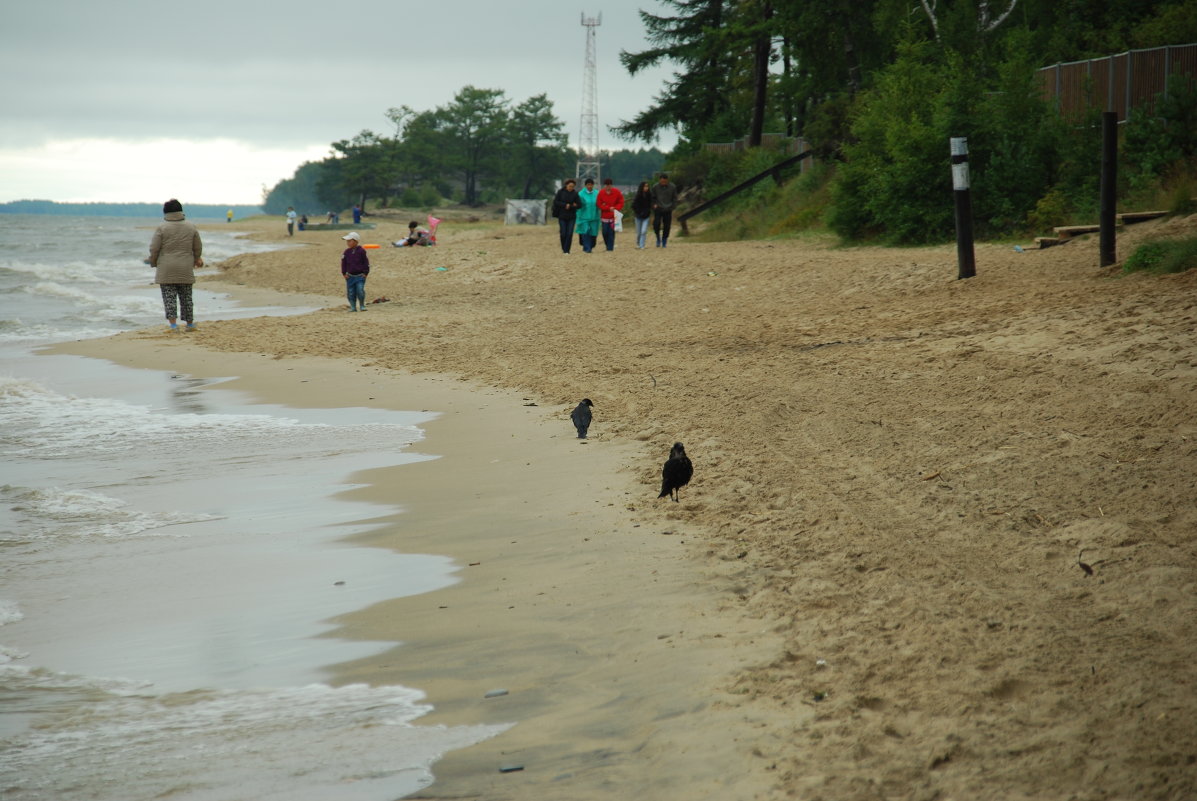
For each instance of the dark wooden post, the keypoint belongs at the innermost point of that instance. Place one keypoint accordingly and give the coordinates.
(1109, 187)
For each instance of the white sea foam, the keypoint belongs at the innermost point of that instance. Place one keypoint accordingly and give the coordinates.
(313, 742)
(10, 612)
(39, 423)
(18, 332)
(123, 306)
(88, 272)
(52, 513)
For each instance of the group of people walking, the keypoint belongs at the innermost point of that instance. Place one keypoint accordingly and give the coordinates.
(592, 212)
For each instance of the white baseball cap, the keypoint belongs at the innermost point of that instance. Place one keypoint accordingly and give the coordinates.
(352, 235)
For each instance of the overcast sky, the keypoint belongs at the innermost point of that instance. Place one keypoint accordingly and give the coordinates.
(136, 100)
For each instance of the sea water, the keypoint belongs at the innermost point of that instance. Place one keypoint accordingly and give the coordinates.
(171, 556)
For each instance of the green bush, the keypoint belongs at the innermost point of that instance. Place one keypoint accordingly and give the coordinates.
(1051, 210)
(1027, 165)
(1166, 138)
(717, 171)
(1163, 256)
(896, 180)
(1182, 199)
(799, 204)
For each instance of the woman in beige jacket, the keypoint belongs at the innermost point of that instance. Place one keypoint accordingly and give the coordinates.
(175, 254)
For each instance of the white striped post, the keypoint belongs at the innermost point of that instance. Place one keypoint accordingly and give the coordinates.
(965, 258)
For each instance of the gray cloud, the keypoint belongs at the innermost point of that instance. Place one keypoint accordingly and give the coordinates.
(298, 73)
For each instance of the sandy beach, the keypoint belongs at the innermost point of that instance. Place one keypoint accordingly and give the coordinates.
(941, 541)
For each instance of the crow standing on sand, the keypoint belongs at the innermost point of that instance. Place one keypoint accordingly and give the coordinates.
(676, 473)
(581, 417)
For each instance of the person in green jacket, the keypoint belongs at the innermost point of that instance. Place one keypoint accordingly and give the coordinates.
(588, 217)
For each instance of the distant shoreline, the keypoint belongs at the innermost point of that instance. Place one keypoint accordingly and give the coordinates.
(194, 210)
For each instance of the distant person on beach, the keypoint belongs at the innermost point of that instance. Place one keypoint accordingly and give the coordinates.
(175, 253)
(413, 233)
(303, 222)
(290, 221)
(355, 266)
(357, 214)
(588, 216)
(642, 210)
(565, 208)
(416, 235)
(664, 201)
(610, 204)
(229, 216)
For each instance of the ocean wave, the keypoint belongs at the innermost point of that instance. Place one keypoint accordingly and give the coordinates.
(53, 513)
(36, 422)
(289, 743)
(10, 612)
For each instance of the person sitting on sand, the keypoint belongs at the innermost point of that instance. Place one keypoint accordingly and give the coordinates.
(416, 235)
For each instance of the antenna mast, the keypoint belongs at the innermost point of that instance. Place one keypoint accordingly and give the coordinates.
(588, 144)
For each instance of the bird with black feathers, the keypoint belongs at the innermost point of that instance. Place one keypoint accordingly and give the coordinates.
(581, 417)
(676, 473)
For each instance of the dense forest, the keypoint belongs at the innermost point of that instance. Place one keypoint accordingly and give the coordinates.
(878, 87)
(479, 148)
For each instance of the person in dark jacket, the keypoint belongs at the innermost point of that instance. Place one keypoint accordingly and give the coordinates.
(175, 253)
(565, 209)
(642, 210)
(355, 266)
(664, 201)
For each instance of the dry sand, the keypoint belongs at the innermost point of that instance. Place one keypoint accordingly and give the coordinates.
(940, 543)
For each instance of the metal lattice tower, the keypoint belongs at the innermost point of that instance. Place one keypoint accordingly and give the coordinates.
(588, 142)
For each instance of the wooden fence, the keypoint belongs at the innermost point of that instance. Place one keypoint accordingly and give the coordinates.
(1124, 82)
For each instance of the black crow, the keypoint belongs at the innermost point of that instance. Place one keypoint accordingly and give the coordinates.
(676, 473)
(581, 417)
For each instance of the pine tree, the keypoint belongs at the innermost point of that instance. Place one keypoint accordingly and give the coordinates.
(693, 40)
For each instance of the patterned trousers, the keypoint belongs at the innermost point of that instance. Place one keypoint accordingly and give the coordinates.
(175, 296)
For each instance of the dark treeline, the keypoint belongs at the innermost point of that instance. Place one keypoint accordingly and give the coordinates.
(480, 148)
(879, 86)
(192, 210)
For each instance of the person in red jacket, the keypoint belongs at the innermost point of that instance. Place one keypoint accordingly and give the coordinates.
(610, 204)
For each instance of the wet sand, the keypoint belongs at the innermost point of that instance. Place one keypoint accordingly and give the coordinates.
(939, 543)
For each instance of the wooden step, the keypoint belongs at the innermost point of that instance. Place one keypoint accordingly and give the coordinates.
(1130, 217)
(1047, 241)
(1066, 231)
